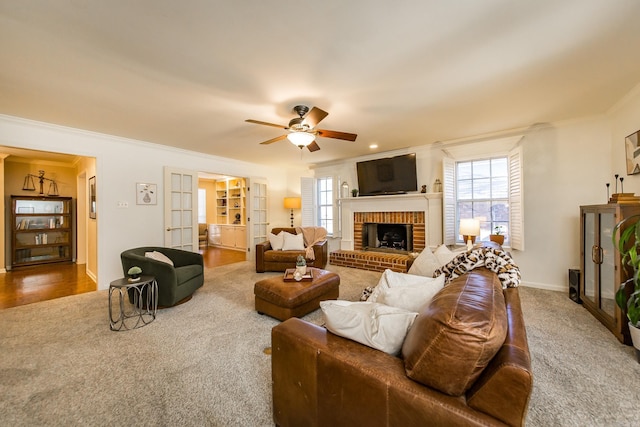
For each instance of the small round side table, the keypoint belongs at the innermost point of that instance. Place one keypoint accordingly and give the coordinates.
(137, 303)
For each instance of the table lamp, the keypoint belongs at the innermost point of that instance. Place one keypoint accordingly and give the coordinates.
(469, 228)
(292, 203)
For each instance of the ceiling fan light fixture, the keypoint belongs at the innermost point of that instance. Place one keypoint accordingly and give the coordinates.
(301, 139)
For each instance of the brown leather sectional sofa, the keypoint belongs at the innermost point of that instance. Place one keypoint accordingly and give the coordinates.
(269, 260)
(451, 371)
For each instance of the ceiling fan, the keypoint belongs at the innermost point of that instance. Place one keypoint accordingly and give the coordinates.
(302, 130)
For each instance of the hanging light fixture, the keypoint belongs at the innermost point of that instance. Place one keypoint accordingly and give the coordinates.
(301, 139)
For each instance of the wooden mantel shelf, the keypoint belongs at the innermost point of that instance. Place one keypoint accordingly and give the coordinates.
(391, 197)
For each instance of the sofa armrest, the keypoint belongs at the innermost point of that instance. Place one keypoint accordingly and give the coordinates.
(261, 248)
(321, 253)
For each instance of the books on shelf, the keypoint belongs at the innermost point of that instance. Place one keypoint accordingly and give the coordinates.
(624, 198)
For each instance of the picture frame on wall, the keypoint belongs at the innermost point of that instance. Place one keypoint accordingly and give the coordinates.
(633, 153)
(146, 194)
(92, 197)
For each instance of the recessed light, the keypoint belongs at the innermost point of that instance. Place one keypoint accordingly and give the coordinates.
(373, 146)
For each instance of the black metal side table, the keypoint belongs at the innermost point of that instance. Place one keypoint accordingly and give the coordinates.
(137, 303)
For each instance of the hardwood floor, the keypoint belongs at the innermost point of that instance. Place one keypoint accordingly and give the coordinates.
(27, 285)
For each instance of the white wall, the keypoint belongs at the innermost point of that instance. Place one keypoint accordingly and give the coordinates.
(120, 163)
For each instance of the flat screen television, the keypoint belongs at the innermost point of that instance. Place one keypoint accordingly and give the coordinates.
(391, 175)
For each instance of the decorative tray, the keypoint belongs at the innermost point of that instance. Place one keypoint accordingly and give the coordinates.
(288, 275)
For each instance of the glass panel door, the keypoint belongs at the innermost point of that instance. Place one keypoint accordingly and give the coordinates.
(608, 267)
(258, 219)
(181, 209)
(589, 252)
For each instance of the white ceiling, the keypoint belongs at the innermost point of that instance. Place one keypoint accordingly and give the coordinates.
(188, 73)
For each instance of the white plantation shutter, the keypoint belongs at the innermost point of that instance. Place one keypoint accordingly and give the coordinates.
(516, 214)
(516, 231)
(308, 201)
(449, 200)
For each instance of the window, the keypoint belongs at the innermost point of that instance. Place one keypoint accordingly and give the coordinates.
(202, 206)
(486, 188)
(324, 192)
(482, 192)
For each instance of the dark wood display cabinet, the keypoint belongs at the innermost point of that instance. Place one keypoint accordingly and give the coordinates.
(601, 266)
(41, 230)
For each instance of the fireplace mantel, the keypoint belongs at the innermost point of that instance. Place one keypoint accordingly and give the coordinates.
(429, 203)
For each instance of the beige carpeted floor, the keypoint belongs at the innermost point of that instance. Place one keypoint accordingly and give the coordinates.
(202, 363)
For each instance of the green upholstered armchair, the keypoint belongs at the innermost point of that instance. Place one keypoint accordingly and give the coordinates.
(177, 282)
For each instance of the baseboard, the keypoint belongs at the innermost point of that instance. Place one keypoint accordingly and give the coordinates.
(546, 286)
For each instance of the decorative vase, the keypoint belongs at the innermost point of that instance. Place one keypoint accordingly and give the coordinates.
(301, 269)
(635, 338)
(498, 238)
(134, 278)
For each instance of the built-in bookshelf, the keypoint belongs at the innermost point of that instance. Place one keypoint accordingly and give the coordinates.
(231, 201)
(41, 230)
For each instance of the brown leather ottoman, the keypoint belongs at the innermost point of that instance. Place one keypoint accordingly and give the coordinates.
(283, 300)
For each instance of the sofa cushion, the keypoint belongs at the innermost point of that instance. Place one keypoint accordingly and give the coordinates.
(276, 241)
(406, 291)
(375, 325)
(446, 255)
(454, 338)
(293, 242)
(411, 298)
(188, 272)
(288, 257)
(424, 264)
(158, 256)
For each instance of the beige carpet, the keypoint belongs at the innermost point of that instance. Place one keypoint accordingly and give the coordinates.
(202, 363)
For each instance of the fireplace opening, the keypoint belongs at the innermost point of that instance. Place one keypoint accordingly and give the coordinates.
(396, 238)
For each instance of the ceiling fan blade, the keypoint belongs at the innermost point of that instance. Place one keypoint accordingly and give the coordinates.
(276, 139)
(258, 122)
(313, 146)
(337, 135)
(314, 117)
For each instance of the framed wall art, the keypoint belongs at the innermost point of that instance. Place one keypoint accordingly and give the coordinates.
(633, 153)
(92, 197)
(146, 194)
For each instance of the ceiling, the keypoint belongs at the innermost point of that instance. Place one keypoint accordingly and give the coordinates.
(404, 73)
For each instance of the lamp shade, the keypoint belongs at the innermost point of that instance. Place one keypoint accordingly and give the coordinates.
(301, 139)
(470, 227)
(292, 202)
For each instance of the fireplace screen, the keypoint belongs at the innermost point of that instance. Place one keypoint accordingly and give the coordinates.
(387, 237)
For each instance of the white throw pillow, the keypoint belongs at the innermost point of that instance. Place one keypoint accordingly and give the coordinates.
(446, 255)
(425, 264)
(391, 279)
(293, 242)
(375, 325)
(276, 240)
(412, 297)
(158, 256)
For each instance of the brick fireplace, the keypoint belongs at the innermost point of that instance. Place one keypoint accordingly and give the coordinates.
(423, 212)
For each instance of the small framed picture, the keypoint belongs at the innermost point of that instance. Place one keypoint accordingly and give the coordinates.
(633, 153)
(92, 197)
(146, 194)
